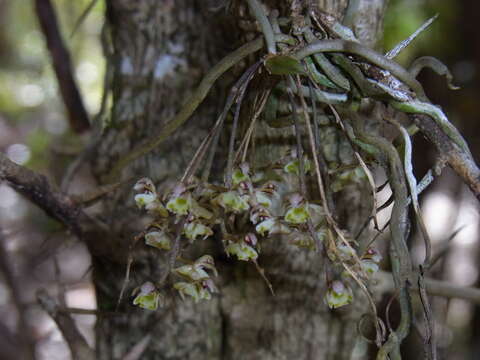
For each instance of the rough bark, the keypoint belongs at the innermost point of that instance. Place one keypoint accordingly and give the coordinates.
(161, 51)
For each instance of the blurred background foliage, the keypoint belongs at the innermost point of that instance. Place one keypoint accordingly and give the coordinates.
(34, 132)
(29, 99)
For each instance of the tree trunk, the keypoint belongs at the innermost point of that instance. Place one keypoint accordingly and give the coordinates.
(161, 50)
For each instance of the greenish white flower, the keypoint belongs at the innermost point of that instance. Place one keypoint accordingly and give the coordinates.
(144, 199)
(345, 252)
(199, 211)
(369, 266)
(297, 215)
(179, 205)
(206, 262)
(193, 230)
(238, 176)
(242, 251)
(188, 289)
(373, 255)
(192, 272)
(156, 207)
(263, 199)
(232, 201)
(148, 297)
(198, 291)
(338, 295)
(271, 226)
(158, 239)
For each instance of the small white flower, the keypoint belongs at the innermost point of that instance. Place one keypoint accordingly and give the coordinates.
(297, 215)
(242, 251)
(345, 252)
(263, 199)
(272, 226)
(338, 295)
(145, 199)
(158, 239)
(178, 205)
(191, 272)
(193, 230)
(148, 297)
(369, 266)
(233, 202)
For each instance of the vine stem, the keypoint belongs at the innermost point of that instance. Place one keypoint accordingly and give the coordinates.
(192, 103)
(330, 220)
(267, 30)
(371, 55)
(241, 94)
(362, 163)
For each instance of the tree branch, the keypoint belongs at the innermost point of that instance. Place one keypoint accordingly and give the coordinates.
(38, 190)
(433, 287)
(459, 160)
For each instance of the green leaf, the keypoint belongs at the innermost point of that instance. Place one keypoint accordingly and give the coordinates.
(284, 65)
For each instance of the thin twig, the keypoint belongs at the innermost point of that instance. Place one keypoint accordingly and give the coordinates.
(385, 284)
(366, 170)
(77, 114)
(243, 147)
(83, 16)
(427, 313)
(13, 285)
(128, 267)
(74, 339)
(241, 93)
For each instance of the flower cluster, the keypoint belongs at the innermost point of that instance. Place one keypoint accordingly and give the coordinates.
(251, 208)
